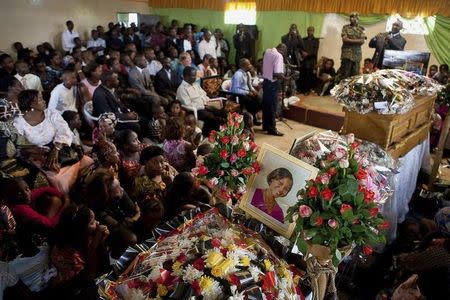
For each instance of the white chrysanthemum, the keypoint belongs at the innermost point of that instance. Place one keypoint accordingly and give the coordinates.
(235, 295)
(190, 274)
(135, 294)
(213, 293)
(255, 272)
(240, 252)
(155, 273)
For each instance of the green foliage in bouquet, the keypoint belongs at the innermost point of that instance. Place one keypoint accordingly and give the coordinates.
(232, 160)
(337, 209)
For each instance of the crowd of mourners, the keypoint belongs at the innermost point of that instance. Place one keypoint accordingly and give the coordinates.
(97, 144)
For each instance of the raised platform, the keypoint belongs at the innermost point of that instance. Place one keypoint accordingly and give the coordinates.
(323, 112)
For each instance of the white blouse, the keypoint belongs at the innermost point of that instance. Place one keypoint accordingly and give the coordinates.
(53, 129)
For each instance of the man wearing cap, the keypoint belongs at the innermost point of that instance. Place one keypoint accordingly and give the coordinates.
(353, 37)
(387, 40)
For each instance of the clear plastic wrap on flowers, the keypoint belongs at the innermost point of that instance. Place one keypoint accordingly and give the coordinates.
(385, 91)
(380, 166)
(208, 257)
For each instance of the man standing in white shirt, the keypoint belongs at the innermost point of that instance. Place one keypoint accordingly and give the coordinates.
(193, 95)
(68, 37)
(207, 46)
(96, 43)
(29, 81)
(62, 97)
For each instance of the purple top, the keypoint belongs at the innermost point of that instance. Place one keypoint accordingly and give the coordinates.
(258, 202)
(272, 63)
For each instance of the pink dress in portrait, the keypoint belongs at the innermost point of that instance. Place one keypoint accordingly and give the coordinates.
(258, 202)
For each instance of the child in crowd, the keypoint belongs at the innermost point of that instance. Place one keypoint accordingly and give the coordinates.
(130, 153)
(432, 70)
(156, 124)
(175, 110)
(178, 152)
(193, 134)
(16, 193)
(154, 176)
(204, 149)
(248, 125)
(368, 66)
(73, 120)
(213, 66)
(183, 194)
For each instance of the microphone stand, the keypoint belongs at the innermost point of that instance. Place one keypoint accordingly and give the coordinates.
(280, 106)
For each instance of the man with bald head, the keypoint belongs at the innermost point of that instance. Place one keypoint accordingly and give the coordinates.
(273, 73)
(242, 86)
(388, 40)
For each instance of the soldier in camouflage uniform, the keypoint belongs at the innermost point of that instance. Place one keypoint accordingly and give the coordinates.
(353, 37)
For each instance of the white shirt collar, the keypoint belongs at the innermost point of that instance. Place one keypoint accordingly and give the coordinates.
(140, 70)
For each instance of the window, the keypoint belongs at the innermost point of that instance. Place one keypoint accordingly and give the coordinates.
(240, 12)
(127, 18)
(410, 26)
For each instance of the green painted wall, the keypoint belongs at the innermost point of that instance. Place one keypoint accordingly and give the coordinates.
(271, 25)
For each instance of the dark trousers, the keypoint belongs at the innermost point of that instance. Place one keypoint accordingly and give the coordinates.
(252, 104)
(212, 117)
(270, 97)
(348, 68)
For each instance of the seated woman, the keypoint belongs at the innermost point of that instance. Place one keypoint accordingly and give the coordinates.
(79, 254)
(178, 152)
(46, 128)
(325, 76)
(12, 144)
(130, 152)
(280, 183)
(154, 176)
(38, 213)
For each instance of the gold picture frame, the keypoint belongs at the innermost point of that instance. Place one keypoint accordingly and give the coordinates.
(269, 204)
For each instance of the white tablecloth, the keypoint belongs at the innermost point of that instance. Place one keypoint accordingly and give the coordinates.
(396, 208)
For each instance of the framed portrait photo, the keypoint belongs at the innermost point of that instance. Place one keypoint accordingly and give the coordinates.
(271, 192)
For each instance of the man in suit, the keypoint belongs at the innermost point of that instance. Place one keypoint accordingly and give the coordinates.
(389, 40)
(139, 78)
(242, 43)
(166, 82)
(105, 100)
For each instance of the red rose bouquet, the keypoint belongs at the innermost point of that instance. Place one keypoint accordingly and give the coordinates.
(338, 208)
(233, 159)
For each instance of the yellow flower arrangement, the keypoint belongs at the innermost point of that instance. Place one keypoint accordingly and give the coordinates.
(245, 261)
(267, 264)
(206, 283)
(214, 258)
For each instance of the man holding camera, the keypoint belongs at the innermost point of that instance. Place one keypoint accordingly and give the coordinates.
(273, 72)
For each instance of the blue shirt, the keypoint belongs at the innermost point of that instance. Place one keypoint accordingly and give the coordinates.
(239, 83)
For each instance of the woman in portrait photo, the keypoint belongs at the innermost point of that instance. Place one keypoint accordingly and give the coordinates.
(280, 183)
